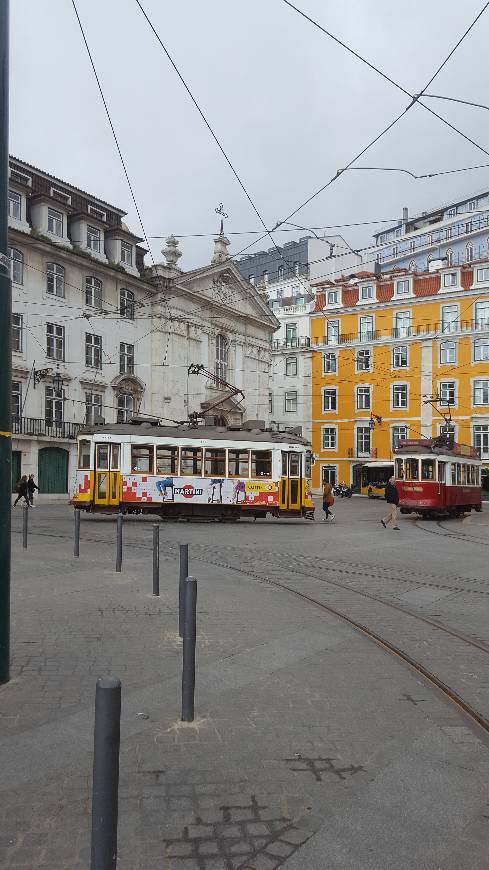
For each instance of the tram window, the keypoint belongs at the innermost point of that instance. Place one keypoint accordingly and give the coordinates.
(412, 469)
(191, 460)
(427, 469)
(167, 460)
(115, 451)
(459, 473)
(308, 465)
(215, 463)
(84, 454)
(261, 463)
(142, 458)
(294, 464)
(463, 470)
(103, 456)
(441, 471)
(470, 474)
(454, 474)
(285, 463)
(399, 469)
(239, 463)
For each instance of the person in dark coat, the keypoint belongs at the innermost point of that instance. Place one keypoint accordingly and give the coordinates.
(22, 491)
(31, 486)
(392, 499)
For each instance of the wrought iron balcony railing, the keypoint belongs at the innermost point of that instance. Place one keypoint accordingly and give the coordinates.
(37, 427)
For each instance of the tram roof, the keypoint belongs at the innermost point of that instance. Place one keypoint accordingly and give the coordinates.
(201, 433)
(434, 446)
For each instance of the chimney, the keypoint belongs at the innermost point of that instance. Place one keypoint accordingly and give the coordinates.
(405, 214)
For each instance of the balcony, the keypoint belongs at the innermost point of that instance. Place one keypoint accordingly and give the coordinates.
(428, 330)
(291, 343)
(362, 454)
(37, 428)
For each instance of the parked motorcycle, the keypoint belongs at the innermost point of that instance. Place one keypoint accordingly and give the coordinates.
(342, 490)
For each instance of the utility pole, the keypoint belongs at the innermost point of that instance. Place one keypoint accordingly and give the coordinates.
(5, 357)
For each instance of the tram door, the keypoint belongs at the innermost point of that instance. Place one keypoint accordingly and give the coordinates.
(107, 473)
(295, 481)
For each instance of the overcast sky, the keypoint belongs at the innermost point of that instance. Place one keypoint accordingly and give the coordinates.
(289, 106)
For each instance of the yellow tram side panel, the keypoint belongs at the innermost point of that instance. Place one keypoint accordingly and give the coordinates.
(83, 489)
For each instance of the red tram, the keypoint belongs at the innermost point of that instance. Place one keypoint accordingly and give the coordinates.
(434, 478)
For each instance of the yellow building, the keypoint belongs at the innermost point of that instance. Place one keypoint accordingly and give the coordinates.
(383, 346)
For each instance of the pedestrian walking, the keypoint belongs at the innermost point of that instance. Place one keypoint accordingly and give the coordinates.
(31, 486)
(22, 491)
(328, 502)
(392, 499)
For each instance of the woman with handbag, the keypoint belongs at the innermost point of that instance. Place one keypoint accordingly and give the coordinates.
(328, 502)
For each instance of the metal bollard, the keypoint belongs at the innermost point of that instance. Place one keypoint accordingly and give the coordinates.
(106, 743)
(189, 637)
(118, 558)
(156, 559)
(76, 548)
(25, 521)
(181, 584)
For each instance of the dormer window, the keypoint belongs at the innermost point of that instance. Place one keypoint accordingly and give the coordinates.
(20, 177)
(126, 253)
(97, 213)
(366, 292)
(449, 280)
(403, 287)
(14, 205)
(93, 239)
(483, 275)
(333, 297)
(55, 222)
(473, 205)
(61, 195)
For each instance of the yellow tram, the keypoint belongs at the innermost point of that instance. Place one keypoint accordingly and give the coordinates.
(207, 471)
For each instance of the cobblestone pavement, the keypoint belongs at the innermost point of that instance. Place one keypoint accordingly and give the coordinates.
(311, 747)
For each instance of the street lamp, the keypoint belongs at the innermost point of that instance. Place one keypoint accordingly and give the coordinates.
(40, 374)
(57, 381)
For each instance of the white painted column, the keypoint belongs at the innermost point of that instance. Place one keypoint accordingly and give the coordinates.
(426, 387)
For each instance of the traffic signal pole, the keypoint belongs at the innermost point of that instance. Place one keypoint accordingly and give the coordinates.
(5, 357)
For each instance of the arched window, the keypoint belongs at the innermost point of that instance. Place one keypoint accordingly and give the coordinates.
(221, 356)
(280, 272)
(16, 266)
(55, 279)
(449, 256)
(125, 407)
(126, 304)
(412, 266)
(93, 292)
(470, 252)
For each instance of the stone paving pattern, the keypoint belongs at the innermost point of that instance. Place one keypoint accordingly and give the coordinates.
(311, 747)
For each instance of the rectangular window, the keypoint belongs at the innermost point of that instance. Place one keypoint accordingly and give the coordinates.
(55, 279)
(481, 392)
(411, 469)
(167, 460)
(261, 463)
(427, 469)
(481, 310)
(441, 471)
(363, 398)
(270, 403)
(333, 297)
(93, 408)
(449, 318)
(329, 363)
(93, 350)
(402, 328)
(472, 205)
(17, 333)
(329, 399)
(191, 461)
(402, 287)
(329, 438)
(239, 463)
(450, 279)
(215, 463)
(16, 399)
(400, 357)
(364, 360)
(366, 330)
(481, 349)
(55, 341)
(363, 440)
(291, 366)
(399, 395)
(447, 393)
(83, 454)
(367, 291)
(448, 353)
(483, 275)
(399, 433)
(290, 403)
(16, 265)
(126, 253)
(125, 407)
(481, 439)
(332, 331)
(291, 334)
(126, 358)
(126, 304)
(14, 205)
(142, 458)
(54, 406)
(55, 222)
(93, 239)
(468, 227)
(328, 474)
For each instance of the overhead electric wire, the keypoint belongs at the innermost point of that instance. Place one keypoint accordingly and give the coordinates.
(413, 97)
(455, 100)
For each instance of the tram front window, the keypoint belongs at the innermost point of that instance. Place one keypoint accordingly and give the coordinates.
(294, 464)
(238, 463)
(84, 454)
(308, 465)
(441, 471)
(412, 469)
(399, 469)
(261, 463)
(427, 469)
